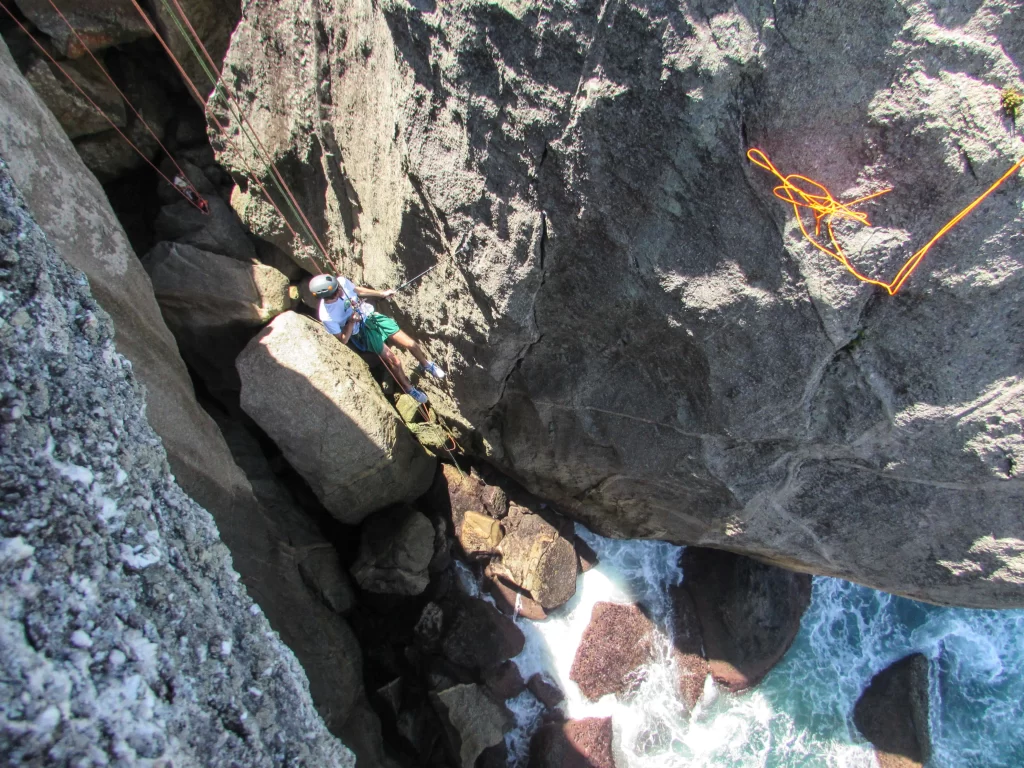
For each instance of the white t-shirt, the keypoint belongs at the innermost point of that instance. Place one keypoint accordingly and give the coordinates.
(335, 314)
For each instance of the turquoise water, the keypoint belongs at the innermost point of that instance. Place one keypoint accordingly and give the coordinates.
(800, 715)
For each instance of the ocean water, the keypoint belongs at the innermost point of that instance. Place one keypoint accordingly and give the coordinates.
(801, 714)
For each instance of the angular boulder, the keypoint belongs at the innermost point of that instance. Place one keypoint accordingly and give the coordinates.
(687, 647)
(477, 635)
(479, 535)
(219, 231)
(100, 23)
(323, 574)
(76, 115)
(617, 641)
(213, 304)
(545, 691)
(536, 557)
(511, 600)
(472, 721)
(395, 548)
(504, 680)
(318, 402)
(574, 744)
(749, 612)
(459, 491)
(892, 713)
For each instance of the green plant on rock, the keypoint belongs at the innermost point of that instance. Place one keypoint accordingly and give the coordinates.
(1012, 101)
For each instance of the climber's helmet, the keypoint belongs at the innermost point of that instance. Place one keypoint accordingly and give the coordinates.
(324, 286)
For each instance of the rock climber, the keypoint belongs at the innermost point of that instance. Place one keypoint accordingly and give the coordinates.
(190, 192)
(352, 320)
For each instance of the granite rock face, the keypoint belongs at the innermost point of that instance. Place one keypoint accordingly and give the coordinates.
(318, 402)
(629, 317)
(126, 634)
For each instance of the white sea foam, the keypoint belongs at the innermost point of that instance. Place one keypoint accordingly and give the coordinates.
(801, 714)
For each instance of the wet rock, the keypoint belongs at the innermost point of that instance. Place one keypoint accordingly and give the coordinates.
(749, 612)
(430, 626)
(213, 305)
(477, 635)
(395, 549)
(479, 535)
(687, 647)
(617, 641)
(586, 557)
(892, 713)
(220, 231)
(100, 23)
(473, 721)
(319, 403)
(322, 572)
(504, 680)
(74, 112)
(547, 693)
(536, 557)
(510, 600)
(574, 744)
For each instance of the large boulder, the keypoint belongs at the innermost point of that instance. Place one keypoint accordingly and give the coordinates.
(218, 231)
(74, 112)
(472, 721)
(574, 744)
(317, 400)
(213, 305)
(395, 548)
(477, 635)
(538, 558)
(100, 23)
(749, 612)
(125, 634)
(892, 713)
(632, 320)
(687, 648)
(617, 641)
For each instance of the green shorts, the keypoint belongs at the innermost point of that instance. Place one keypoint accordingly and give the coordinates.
(374, 331)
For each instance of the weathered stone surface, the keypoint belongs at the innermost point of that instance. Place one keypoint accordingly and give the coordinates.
(85, 232)
(73, 111)
(687, 647)
(633, 321)
(322, 572)
(504, 680)
(457, 492)
(617, 641)
(126, 635)
(473, 721)
(395, 549)
(586, 557)
(220, 231)
(892, 713)
(749, 612)
(213, 21)
(510, 600)
(479, 535)
(213, 305)
(318, 402)
(574, 744)
(538, 558)
(477, 635)
(100, 23)
(547, 693)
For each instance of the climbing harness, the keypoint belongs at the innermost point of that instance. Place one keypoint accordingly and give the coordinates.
(802, 192)
(186, 189)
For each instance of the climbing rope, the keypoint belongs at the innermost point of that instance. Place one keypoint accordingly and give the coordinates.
(188, 190)
(802, 192)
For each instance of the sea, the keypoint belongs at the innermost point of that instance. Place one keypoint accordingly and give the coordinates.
(801, 713)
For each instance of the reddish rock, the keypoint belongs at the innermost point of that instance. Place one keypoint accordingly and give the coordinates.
(574, 744)
(892, 713)
(547, 693)
(687, 647)
(504, 680)
(749, 612)
(477, 635)
(585, 556)
(617, 641)
(505, 596)
(458, 492)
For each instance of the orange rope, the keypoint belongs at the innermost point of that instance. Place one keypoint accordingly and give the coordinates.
(802, 192)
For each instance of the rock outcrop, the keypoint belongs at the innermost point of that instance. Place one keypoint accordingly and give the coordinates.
(749, 613)
(472, 720)
(574, 744)
(538, 558)
(317, 400)
(687, 648)
(126, 635)
(632, 321)
(892, 713)
(395, 549)
(617, 641)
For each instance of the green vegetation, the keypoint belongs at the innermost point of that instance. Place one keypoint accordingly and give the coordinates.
(1011, 102)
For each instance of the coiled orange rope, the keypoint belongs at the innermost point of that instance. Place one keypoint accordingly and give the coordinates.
(802, 192)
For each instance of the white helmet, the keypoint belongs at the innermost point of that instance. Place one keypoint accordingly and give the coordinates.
(324, 286)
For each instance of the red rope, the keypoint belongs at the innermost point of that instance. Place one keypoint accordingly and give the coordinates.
(105, 116)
